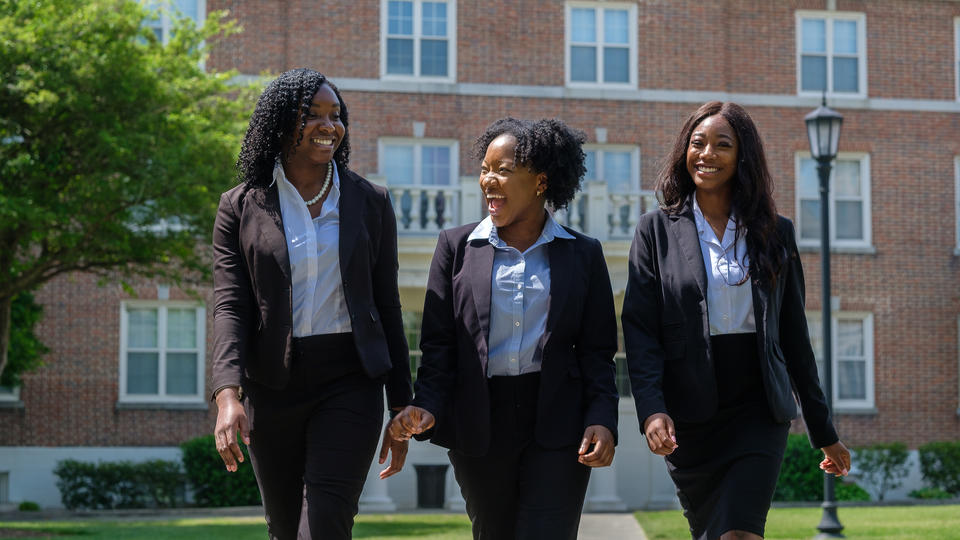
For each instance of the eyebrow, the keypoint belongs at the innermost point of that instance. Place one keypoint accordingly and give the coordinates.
(702, 134)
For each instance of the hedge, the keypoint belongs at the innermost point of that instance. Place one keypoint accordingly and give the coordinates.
(801, 478)
(940, 465)
(212, 484)
(121, 484)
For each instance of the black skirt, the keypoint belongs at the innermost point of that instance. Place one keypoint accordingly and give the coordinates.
(726, 468)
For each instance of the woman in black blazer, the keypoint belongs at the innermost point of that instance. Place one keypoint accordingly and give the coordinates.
(519, 333)
(301, 354)
(715, 331)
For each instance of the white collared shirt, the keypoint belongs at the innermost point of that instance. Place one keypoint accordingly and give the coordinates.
(729, 306)
(313, 246)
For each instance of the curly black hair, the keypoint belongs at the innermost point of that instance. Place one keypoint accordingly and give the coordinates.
(545, 146)
(272, 128)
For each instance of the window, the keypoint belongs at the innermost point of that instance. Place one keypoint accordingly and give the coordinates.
(831, 53)
(852, 344)
(423, 170)
(4, 487)
(619, 168)
(849, 201)
(162, 352)
(601, 44)
(163, 23)
(418, 39)
(9, 393)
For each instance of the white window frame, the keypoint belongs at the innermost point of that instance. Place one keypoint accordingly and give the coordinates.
(418, 144)
(829, 17)
(417, 37)
(868, 404)
(634, 151)
(166, 21)
(867, 241)
(632, 24)
(161, 396)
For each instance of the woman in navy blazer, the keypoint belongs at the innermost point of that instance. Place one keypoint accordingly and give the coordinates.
(518, 338)
(715, 331)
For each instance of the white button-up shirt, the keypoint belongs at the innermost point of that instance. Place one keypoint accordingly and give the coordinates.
(729, 306)
(313, 246)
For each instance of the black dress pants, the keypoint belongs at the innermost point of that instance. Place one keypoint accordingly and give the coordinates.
(311, 444)
(520, 490)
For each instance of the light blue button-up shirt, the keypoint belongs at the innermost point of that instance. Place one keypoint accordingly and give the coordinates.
(519, 287)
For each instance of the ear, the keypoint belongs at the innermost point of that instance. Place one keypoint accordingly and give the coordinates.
(541, 182)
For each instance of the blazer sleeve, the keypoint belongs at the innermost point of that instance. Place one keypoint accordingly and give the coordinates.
(386, 296)
(233, 299)
(641, 324)
(437, 374)
(596, 346)
(797, 350)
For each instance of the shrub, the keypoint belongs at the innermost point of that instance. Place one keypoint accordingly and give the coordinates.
(212, 484)
(883, 466)
(29, 506)
(929, 493)
(940, 465)
(800, 476)
(850, 491)
(120, 484)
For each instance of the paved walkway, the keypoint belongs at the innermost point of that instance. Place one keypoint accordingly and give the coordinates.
(610, 527)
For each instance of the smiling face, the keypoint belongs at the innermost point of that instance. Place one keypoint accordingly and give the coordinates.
(712, 155)
(322, 132)
(511, 190)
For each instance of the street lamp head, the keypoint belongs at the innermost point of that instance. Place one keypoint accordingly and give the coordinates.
(823, 129)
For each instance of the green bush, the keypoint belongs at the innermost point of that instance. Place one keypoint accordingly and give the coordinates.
(850, 491)
(212, 484)
(929, 493)
(120, 484)
(940, 465)
(800, 476)
(883, 466)
(29, 506)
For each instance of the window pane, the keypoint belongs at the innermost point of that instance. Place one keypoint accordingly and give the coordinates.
(851, 380)
(142, 373)
(584, 25)
(846, 178)
(591, 164)
(142, 328)
(845, 37)
(849, 220)
(809, 181)
(6, 391)
(814, 35)
(616, 168)
(615, 26)
(850, 337)
(615, 61)
(434, 19)
(400, 56)
(436, 165)
(182, 328)
(182, 374)
(813, 73)
(187, 8)
(400, 18)
(433, 57)
(398, 164)
(815, 328)
(845, 77)
(810, 219)
(583, 64)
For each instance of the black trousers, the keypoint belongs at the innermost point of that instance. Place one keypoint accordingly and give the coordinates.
(520, 490)
(311, 444)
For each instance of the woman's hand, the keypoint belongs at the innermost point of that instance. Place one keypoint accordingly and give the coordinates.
(398, 451)
(602, 453)
(411, 421)
(230, 418)
(836, 459)
(660, 433)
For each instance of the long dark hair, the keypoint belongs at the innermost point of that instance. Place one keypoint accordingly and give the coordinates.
(752, 186)
(271, 131)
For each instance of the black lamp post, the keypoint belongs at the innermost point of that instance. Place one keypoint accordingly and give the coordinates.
(823, 129)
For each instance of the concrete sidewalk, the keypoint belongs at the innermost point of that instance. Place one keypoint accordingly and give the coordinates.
(618, 526)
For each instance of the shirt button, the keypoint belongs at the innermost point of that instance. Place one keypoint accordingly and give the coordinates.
(513, 359)
(519, 285)
(517, 323)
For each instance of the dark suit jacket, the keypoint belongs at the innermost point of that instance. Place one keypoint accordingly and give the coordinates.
(577, 379)
(253, 317)
(667, 334)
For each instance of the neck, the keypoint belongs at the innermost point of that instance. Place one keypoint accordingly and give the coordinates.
(714, 205)
(521, 235)
(307, 178)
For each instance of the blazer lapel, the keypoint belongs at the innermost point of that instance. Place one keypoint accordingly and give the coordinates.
(351, 217)
(685, 229)
(560, 252)
(478, 263)
(270, 220)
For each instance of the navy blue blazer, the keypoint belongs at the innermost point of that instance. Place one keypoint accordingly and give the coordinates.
(577, 379)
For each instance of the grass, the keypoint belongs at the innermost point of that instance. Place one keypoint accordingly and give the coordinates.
(877, 522)
(367, 527)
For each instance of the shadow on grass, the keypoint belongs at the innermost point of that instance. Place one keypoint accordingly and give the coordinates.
(408, 530)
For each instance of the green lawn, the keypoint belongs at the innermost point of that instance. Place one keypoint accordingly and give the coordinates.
(368, 527)
(879, 522)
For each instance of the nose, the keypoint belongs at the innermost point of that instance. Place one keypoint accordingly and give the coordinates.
(488, 178)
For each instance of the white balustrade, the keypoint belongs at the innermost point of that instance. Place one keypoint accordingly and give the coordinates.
(425, 209)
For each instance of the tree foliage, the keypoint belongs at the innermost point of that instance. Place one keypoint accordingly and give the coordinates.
(883, 466)
(114, 147)
(26, 350)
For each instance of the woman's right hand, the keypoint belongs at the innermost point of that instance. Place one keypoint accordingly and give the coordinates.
(230, 418)
(410, 421)
(660, 433)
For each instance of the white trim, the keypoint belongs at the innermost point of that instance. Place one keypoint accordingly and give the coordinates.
(161, 395)
(861, 56)
(868, 404)
(865, 189)
(635, 169)
(956, 206)
(632, 45)
(417, 38)
(418, 144)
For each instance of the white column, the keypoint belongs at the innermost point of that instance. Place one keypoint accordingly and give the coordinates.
(602, 492)
(431, 209)
(598, 210)
(454, 500)
(470, 204)
(374, 497)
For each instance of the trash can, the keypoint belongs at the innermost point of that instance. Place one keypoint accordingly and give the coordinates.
(431, 481)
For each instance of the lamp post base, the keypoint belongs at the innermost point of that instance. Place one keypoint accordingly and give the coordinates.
(830, 525)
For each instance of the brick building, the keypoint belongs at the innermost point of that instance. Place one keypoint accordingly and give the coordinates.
(423, 78)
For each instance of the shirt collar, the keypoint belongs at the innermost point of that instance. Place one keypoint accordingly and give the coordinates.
(703, 226)
(486, 230)
(287, 187)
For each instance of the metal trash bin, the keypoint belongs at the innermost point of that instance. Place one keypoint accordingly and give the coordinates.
(431, 484)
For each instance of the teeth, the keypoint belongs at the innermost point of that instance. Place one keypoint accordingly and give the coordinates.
(489, 196)
(708, 169)
(322, 141)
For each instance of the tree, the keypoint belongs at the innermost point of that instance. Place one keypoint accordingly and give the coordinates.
(114, 147)
(25, 350)
(883, 465)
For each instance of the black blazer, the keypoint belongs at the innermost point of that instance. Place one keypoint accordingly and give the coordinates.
(253, 317)
(667, 334)
(577, 378)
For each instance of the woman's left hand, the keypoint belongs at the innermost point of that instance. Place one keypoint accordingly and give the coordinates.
(603, 448)
(836, 459)
(398, 451)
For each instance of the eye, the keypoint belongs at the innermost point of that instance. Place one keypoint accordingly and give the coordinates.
(504, 170)
(311, 115)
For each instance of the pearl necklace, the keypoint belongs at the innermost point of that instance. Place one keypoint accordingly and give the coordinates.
(323, 188)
